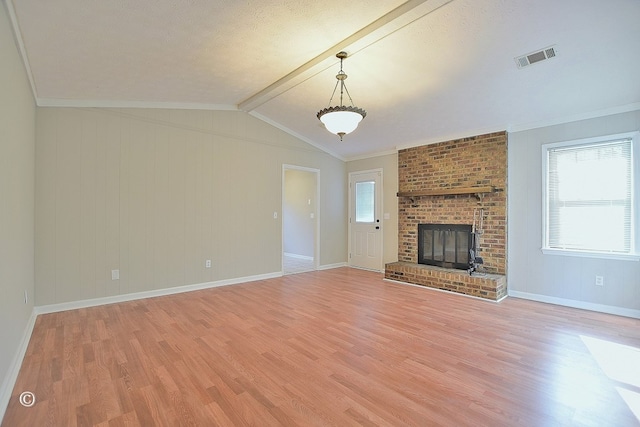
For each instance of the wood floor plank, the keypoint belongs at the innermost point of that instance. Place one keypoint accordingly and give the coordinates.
(339, 347)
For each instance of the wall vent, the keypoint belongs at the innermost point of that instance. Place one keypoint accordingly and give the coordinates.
(537, 56)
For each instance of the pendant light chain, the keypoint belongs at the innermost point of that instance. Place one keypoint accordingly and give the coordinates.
(334, 92)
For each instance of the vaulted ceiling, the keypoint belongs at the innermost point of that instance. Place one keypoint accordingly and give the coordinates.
(424, 71)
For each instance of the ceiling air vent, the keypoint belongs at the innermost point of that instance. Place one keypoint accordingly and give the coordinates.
(537, 56)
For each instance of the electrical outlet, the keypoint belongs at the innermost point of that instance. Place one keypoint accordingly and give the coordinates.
(599, 280)
(207, 263)
(115, 274)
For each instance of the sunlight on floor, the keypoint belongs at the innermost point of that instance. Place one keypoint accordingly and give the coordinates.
(620, 363)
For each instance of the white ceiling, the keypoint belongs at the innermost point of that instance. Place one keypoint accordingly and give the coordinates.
(424, 71)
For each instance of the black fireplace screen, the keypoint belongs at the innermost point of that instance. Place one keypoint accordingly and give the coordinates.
(444, 245)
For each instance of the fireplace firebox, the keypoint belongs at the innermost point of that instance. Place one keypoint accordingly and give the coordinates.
(444, 245)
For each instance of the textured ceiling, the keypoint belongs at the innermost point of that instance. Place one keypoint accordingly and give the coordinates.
(424, 70)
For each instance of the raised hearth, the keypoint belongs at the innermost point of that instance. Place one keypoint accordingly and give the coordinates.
(488, 286)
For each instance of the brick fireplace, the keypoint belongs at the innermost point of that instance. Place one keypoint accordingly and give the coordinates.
(445, 183)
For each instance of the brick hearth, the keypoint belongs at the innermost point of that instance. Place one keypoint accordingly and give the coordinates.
(489, 286)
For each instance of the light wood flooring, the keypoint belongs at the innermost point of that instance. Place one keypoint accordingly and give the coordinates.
(340, 347)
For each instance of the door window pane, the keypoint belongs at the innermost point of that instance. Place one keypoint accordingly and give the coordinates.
(365, 201)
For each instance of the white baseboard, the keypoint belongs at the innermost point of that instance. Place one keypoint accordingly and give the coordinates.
(305, 257)
(602, 308)
(331, 266)
(72, 305)
(12, 374)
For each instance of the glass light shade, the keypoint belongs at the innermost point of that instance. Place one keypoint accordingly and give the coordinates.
(341, 120)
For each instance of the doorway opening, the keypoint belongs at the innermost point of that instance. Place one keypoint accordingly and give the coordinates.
(300, 219)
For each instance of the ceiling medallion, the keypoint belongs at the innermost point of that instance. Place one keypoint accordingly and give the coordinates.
(341, 119)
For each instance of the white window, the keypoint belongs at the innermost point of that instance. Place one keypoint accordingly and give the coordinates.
(589, 197)
(365, 201)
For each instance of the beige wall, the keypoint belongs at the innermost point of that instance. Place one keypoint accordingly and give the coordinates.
(17, 118)
(155, 193)
(389, 165)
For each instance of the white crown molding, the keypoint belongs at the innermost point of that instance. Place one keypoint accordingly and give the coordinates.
(575, 118)
(295, 134)
(372, 155)
(88, 103)
(528, 126)
(17, 35)
(451, 137)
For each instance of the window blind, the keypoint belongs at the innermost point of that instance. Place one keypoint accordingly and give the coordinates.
(589, 197)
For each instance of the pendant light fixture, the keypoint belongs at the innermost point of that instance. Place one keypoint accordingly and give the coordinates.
(341, 119)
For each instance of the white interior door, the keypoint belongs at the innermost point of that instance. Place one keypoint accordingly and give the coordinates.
(365, 226)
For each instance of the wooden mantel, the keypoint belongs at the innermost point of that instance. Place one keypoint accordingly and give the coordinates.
(449, 191)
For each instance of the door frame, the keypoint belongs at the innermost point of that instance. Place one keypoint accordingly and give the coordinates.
(380, 199)
(316, 212)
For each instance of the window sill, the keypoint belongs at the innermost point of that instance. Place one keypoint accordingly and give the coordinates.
(586, 254)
